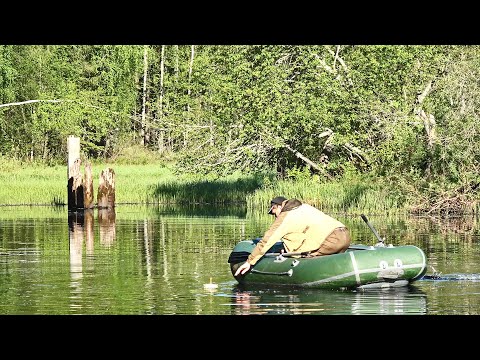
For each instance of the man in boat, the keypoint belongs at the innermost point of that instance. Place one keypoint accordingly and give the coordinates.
(302, 228)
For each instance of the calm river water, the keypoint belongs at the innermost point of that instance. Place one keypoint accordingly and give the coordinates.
(155, 261)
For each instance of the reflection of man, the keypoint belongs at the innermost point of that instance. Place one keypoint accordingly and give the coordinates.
(302, 228)
(242, 302)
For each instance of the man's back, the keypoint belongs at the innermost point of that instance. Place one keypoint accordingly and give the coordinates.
(305, 227)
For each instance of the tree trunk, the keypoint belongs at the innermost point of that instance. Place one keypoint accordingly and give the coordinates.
(190, 68)
(144, 95)
(45, 147)
(189, 90)
(177, 65)
(429, 125)
(161, 135)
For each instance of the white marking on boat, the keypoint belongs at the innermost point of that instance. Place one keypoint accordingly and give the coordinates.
(355, 268)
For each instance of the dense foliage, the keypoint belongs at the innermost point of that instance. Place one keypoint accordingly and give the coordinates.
(402, 115)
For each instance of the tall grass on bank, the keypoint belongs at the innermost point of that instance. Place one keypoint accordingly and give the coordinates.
(337, 197)
(34, 184)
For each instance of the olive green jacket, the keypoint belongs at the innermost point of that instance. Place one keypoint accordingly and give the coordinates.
(301, 227)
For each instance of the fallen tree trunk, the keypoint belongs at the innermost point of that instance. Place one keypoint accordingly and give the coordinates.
(309, 162)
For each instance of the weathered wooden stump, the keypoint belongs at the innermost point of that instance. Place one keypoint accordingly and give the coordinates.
(106, 189)
(75, 181)
(80, 189)
(88, 187)
(75, 186)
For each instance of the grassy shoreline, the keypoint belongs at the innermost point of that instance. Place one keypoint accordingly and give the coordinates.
(153, 184)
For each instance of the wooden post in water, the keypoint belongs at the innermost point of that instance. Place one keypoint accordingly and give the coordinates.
(75, 186)
(106, 189)
(88, 187)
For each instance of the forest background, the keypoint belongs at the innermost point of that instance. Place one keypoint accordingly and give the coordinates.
(387, 128)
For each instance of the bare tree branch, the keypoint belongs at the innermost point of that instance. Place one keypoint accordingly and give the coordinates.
(356, 151)
(29, 102)
(309, 162)
(336, 57)
(424, 93)
(333, 69)
(324, 64)
(328, 132)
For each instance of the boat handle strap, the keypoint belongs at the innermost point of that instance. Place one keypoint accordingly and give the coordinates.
(288, 273)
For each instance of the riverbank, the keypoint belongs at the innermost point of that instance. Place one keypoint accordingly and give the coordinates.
(36, 184)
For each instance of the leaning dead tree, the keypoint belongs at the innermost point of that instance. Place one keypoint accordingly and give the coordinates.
(309, 162)
(327, 134)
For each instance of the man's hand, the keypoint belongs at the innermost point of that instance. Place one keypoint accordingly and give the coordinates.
(243, 269)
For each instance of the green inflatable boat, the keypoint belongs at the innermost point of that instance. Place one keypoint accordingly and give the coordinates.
(360, 267)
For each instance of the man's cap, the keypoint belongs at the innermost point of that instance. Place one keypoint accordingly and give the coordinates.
(276, 201)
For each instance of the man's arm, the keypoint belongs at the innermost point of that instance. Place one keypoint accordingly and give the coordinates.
(271, 236)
